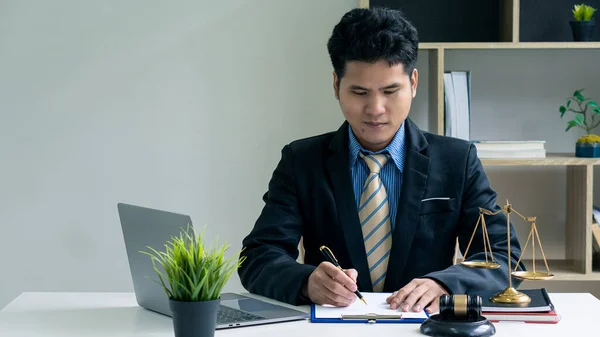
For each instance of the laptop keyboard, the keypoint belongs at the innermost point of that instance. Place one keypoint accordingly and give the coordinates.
(228, 315)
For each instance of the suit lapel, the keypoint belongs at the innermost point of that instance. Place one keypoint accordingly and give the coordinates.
(338, 168)
(414, 180)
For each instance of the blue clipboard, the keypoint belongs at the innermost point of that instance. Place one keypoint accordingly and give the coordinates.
(367, 318)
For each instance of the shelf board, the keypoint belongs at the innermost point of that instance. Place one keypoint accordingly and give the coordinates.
(562, 270)
(509, 45)
(552, 159)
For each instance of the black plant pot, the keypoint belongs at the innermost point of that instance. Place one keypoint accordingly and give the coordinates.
(583, 30)
(194, 319)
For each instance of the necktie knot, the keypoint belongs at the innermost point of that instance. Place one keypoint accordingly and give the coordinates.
(375, 161)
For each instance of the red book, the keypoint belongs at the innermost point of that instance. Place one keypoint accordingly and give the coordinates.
(551, 317)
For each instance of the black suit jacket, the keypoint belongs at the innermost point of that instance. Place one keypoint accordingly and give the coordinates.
(310, 195)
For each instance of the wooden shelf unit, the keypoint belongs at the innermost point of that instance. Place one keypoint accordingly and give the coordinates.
(509, 45)
(577, 265)
(552, 159)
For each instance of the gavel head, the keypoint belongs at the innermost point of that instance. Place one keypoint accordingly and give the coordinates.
(460, 307)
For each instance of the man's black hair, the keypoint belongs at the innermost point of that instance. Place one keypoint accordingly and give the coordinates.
(371, 35)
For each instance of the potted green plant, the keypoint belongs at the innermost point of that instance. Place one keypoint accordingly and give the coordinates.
(587, 145)
(193, 276)
(583, 25)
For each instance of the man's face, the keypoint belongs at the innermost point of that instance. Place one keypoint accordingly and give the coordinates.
(375, 99)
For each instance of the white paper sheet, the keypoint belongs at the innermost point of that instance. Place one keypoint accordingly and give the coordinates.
(376, 304)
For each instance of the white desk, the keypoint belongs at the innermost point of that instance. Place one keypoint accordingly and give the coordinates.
(117, 314)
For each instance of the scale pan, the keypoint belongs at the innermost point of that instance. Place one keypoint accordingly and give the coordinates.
(531, 275)
(481, 264)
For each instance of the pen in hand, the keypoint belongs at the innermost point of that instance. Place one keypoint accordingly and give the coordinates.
(330, 258)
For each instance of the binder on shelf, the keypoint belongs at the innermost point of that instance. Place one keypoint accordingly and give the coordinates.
(596, 229)
(457, 104)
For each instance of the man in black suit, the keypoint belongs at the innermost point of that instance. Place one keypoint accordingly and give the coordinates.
(388, 199)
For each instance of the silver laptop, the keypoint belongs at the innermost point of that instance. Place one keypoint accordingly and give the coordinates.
(143, 227)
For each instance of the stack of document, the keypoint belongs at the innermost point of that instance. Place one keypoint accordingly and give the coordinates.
(488, 149)
(457, 104)
(377, 310)
(539, 310)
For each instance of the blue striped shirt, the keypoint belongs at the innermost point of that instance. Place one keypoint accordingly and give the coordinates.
(391, 173)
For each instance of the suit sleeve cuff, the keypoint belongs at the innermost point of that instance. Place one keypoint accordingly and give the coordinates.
(440, 282)
(301, 299)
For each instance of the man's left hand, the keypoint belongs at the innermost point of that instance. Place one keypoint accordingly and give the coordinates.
(418, 294)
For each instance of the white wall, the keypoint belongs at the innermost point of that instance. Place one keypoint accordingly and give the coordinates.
(182, 106)
(185, 106)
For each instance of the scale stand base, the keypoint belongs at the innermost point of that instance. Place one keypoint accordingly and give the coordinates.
(436, 326)
(510, 295)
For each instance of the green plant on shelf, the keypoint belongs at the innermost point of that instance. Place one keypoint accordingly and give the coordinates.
(583, 12)
(579, 105)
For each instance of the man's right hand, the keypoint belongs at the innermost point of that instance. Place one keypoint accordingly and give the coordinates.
(329, 285)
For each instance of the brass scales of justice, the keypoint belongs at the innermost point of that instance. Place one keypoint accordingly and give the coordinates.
(510, 294)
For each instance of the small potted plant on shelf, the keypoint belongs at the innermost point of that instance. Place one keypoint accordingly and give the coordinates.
(193, 276)
(583, 25)
(587, 145)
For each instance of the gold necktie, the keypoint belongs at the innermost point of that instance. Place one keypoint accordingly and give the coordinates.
(374, 214)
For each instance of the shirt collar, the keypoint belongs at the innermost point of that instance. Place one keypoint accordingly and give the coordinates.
(396, 148)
